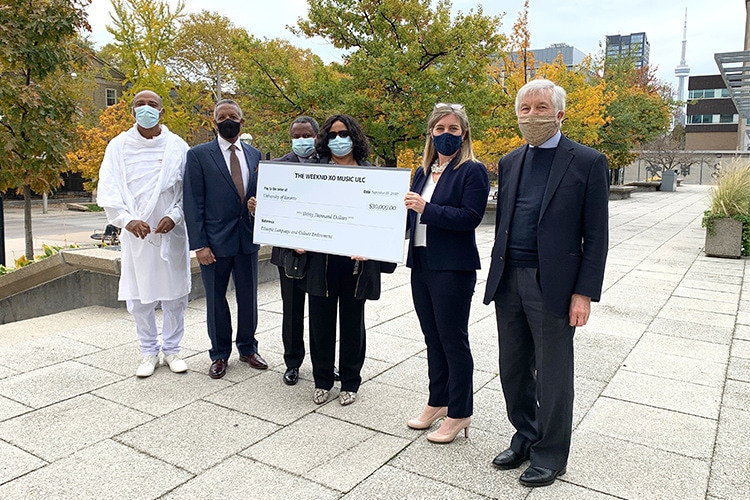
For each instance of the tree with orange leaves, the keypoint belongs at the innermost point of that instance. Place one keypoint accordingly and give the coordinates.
(93, 141)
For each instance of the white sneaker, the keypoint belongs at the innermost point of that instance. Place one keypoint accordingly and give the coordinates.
(176, 364)
(146, 368)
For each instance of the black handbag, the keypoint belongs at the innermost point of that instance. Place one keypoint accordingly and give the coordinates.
(295, 265)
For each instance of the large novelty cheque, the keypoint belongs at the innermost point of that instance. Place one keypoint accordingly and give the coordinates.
(333, 209)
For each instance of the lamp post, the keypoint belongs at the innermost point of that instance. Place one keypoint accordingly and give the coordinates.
(2, 223)
(2, 232)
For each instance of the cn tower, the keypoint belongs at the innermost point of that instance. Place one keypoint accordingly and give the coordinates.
(681, 72)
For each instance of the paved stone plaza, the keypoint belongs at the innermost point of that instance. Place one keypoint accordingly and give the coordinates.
(662, 405)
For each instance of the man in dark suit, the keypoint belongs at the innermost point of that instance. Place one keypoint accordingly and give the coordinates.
(551, 239)
(220, 176)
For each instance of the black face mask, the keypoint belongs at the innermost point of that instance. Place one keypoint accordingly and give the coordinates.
(229, 129)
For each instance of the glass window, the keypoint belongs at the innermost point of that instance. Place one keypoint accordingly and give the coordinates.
(636, 38)
(724, 92)
(708, 118)
(696, 94)
(708, 93)
(694, 119)
(111, 97)
(726, 118)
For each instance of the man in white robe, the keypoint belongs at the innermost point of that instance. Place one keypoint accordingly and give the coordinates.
(140, 189)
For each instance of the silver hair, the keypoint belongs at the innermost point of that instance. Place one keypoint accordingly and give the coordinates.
(227, 101)
(557, 93)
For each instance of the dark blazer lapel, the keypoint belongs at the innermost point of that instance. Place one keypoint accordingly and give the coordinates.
(563, 158)
(253, 170)
(221, 164)
(419, 185)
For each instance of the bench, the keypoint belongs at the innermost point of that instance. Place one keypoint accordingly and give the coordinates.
(620, 192)
(645, 185)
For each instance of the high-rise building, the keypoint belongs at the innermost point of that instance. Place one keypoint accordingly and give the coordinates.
(634, 45)
(712, 117)
(570, 55)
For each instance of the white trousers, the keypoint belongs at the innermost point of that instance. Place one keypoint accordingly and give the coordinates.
(173, 325)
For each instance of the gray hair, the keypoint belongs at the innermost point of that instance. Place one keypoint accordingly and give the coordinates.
(227, 101)
(305, 119)
(557, 93)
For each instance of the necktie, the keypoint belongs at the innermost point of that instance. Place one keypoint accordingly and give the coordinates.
(236, 171)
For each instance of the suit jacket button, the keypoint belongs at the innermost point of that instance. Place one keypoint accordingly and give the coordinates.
(502, 258)
(506, 231)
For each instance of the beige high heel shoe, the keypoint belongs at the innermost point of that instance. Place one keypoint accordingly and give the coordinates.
(428, 417)
(451, 427)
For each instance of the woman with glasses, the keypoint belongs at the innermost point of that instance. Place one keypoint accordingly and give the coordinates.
(340, 284)
(446, 203)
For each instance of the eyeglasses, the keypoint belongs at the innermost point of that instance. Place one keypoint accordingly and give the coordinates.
(341, 133)
(455, 107)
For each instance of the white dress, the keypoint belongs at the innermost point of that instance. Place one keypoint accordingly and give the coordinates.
(141, 179)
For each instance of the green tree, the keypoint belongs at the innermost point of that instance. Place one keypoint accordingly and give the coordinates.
(144, 33)
(586, 103)
(38, 50)
(640, 108)
(204, 51)
(278, 82)
(403, 57)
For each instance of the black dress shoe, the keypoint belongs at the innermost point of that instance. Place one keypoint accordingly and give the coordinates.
(255, 360)
(539, 476)
(336, 375)
(218, 368)
(291, 376)
(509, 459)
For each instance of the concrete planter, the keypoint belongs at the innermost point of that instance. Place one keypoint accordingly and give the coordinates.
(725, 239)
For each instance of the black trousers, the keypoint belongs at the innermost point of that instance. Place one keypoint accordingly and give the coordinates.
(244, 269)
(341, 287)
(442, 301)
(293, 325)
(536, 369)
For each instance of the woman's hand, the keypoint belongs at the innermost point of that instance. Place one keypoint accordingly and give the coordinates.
(414, 201)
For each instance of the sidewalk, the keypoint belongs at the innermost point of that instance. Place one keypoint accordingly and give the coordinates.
(662, 407)
(58, 227)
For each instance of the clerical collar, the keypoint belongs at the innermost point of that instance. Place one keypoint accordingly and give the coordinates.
(550, 143)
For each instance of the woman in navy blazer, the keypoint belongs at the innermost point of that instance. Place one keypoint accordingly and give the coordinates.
(446, 203)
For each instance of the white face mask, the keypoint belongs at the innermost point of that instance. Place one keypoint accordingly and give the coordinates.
(340, 146)
(146, 116)
(537, 129)
(303, 146)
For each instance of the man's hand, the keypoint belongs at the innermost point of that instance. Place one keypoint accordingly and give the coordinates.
(252, 204)
(580, 309)
(414, 201)
(139, 228)
(165, 225)
(205, 256)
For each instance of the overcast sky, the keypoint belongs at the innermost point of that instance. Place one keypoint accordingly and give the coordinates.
(713, 26)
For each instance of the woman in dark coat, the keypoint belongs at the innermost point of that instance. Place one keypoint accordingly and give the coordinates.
(446, 203)
(338, 284)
